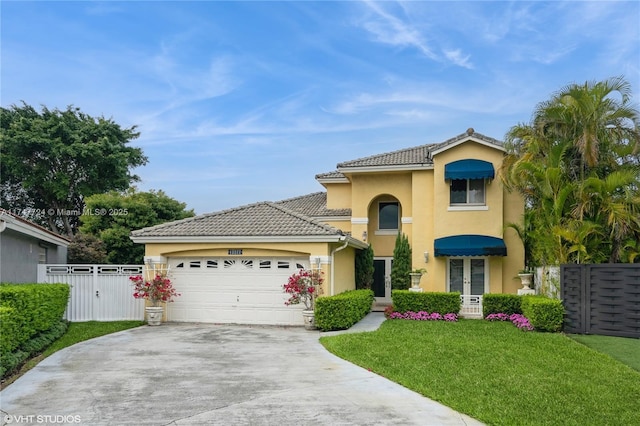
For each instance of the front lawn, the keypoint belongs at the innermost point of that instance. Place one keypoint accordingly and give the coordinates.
(624, 349)
(498, 374)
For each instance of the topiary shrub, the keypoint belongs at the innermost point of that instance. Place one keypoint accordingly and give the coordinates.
(364, 268)
(544, 313)
(501, 304)
(343, 310)
(400, 279)
(442, 303)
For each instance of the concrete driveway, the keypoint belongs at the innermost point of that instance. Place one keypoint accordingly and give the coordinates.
(194, 374)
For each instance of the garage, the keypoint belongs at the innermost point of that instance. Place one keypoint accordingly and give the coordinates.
(240, 290)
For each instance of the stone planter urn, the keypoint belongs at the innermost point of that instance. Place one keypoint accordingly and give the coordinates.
(308, 315)
(415, 280)
(154, 315)
(526, 278)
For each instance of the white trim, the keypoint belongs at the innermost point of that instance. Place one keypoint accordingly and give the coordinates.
(155, 259)
(359, 220)
(332, 218)
(466, 208)
(24, 228)
(386, 232)
(406, 220)
(374, 169)
(333, 180)
(468, 139)
(250, 239)
(324, 260)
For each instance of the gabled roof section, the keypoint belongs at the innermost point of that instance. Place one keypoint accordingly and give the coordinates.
(259, 220)
(469, 135)
(313, 205)
(418, 157)
(12, 221)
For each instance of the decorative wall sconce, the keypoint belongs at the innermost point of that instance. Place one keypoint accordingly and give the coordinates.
(364, 235)
(426, 257)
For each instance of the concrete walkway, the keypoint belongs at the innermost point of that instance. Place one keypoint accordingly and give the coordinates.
(206, 374)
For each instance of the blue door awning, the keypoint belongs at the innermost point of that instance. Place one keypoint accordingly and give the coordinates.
(469, 245)
(469, 169)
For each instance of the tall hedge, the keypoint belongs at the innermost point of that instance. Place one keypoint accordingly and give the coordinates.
(29, 309)
(413, 301)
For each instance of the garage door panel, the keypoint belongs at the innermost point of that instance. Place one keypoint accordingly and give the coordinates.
(243, 291)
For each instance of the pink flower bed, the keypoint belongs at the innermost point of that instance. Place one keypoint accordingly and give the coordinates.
(424, 316)
(518, 320)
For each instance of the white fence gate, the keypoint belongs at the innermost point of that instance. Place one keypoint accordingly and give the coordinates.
(98, 292)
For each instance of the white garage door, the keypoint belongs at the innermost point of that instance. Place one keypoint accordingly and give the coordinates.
(234, 290)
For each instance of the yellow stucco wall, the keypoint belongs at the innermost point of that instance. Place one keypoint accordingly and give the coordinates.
(424, 205)
(338, 195)
(344, 270)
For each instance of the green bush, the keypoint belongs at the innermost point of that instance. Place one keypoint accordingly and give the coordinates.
(501, 304)
(27, 310)
(341, 311)
(544, 313)
(401, 267)
(11, 360)
(442, 303)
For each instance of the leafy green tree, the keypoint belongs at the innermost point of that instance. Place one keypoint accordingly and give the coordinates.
(364, 268)
(52, 160)
(400, 279)
(577, 164)
(85, 249)
(112, 216)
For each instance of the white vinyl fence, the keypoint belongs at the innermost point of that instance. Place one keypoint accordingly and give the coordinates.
(98, 292)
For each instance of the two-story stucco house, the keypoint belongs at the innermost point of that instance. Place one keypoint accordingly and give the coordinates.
(230, 265)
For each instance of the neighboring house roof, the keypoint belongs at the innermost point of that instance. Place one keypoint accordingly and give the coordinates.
(313, 205)
(408, 158)
(264, 221)
(9, 220)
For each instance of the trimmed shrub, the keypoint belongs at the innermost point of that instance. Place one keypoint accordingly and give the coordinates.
(27, 311)
(341, 311)
(10, 361)
(400, 279)
(364, 268)
(442, 303)
(544, 313)
(501, 304)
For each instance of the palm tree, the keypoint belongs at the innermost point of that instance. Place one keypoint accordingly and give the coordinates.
(578, 166)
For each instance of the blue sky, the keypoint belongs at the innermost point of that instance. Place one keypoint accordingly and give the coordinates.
(239, 102)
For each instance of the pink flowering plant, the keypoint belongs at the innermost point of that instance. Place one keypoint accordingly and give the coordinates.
(518, 320)
(303, 287)
(159, 289)
(424, 316)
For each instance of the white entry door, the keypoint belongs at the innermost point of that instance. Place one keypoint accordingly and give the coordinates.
(469, 276)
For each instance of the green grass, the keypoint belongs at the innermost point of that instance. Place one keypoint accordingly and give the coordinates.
(624, 349)
(498, 374)
(76, 332)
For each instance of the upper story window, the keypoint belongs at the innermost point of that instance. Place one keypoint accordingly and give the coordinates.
(467, 192)
(388, 216)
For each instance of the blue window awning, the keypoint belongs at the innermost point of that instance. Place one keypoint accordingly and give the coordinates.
(469, 245)
(469, 169)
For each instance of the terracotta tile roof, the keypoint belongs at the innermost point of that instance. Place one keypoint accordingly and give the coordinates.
(313, 205)
(330, 175)
(264, 219)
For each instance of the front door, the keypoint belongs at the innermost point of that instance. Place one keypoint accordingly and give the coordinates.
(382, 278)
(468, 275)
